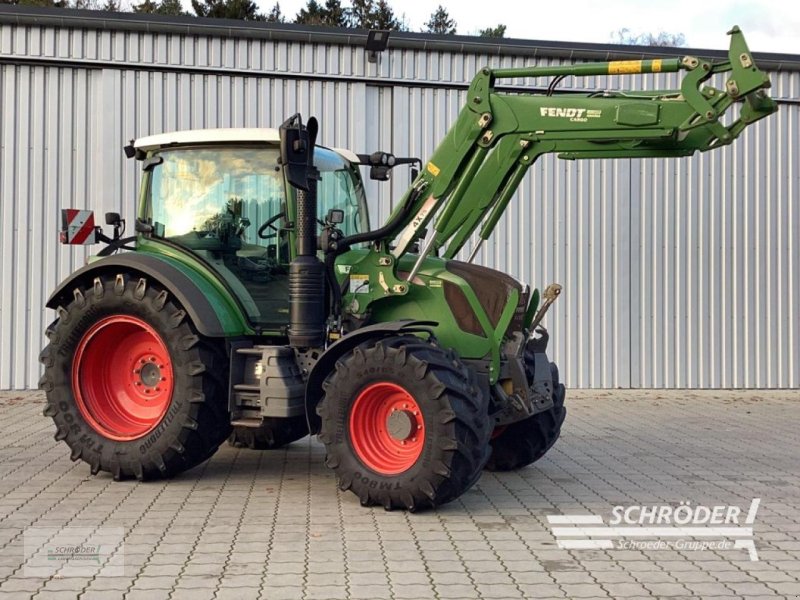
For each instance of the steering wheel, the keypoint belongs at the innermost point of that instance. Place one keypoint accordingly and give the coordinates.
(269, 224)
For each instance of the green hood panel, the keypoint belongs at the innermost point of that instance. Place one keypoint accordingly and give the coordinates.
(381, 291)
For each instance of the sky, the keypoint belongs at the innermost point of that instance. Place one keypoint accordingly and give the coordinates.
(769, 26)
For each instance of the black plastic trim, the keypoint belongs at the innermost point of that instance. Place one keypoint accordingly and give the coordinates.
(190, 297)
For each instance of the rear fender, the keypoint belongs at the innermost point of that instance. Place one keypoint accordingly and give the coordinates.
(213, 314)
(327, 362)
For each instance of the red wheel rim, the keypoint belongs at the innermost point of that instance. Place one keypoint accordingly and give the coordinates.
(387, 430)
(122, 377)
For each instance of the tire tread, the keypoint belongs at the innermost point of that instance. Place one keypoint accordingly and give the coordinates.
(196, 435)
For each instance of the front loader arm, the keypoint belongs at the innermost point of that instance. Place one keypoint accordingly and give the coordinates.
(475, 171)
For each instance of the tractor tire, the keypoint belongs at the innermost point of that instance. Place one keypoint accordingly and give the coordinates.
(523, 443)
(131, 386)
(404, 424)
(273, 433)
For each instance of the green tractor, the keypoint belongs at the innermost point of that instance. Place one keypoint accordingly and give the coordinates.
(255, 304)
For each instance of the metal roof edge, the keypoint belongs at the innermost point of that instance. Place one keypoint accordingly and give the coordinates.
(187, 25)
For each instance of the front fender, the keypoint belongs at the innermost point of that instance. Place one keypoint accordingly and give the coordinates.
(327, 362)
(212, 313)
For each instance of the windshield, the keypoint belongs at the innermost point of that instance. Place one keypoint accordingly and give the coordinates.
(234, 191)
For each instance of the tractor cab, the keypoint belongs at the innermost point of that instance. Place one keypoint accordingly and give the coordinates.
(221, 196)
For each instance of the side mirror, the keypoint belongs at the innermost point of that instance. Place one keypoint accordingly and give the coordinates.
(113, 218)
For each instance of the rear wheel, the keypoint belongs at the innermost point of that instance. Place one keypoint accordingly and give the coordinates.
(131, 386)
(273, 433)
(520, 444)
(404, 424)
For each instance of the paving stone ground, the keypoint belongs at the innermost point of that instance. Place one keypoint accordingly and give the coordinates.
(250, 524)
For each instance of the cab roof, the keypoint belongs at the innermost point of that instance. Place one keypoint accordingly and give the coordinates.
(205, 136)
(229, 134)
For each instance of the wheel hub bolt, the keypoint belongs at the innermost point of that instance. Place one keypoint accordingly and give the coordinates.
(400, 424)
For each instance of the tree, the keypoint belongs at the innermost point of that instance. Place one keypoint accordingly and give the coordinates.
(275, 15)
(385, 18)
(493, 32)
(111, 6)
(46, 3)
(626, 37)
(147, 7)
(359, 15)
(335, 14)
(245, 10)
(330, 15)
(373, 14)
(310, 14)
(440, 22)
(171, 8)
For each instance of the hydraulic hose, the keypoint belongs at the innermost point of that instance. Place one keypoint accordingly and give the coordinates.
(369, 236)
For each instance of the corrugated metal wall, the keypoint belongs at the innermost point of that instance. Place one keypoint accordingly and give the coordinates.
(677, 272)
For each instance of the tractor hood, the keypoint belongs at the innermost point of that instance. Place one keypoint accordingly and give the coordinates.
(473, 305)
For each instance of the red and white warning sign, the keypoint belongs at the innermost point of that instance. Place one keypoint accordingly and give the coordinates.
(77, 226)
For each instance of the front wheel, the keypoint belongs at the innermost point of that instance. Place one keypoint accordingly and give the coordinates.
(131, 386)
(404, 424)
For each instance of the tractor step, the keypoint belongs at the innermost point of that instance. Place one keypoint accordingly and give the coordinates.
(265, 382)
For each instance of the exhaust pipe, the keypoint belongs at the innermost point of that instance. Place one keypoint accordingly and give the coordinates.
(306, 272)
